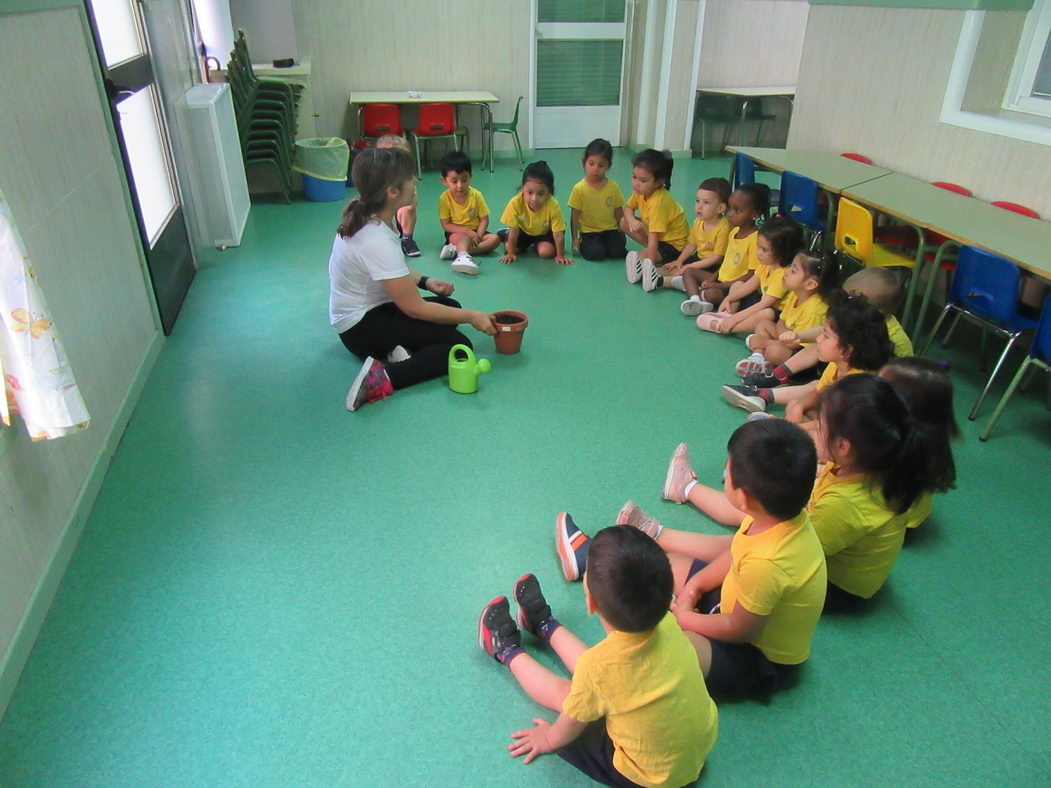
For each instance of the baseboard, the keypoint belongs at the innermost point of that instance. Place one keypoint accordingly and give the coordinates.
(26, 634)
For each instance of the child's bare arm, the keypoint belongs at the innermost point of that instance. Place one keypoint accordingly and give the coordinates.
(797, 409)
(482, 228)
(710, 261)
(574, 227)
(650, 252)
(739, 626)
(808, 334)
(545, 737)
(729, 324)
(560, 248)
(510, 251)
(676, 266)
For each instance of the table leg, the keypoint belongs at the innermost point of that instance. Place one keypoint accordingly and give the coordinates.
(489, 144)
(914, 276)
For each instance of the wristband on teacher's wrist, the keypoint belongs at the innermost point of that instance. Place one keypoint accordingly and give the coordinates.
(422, 284)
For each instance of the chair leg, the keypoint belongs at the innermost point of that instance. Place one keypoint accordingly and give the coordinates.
(518, 149)
(935, 269)
(934, 331)
(1003, 401)
(952, 328)
(758, 133)
(704, 133)
(989, 383)
(419, 166)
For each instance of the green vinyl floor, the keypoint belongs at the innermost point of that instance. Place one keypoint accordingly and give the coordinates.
(273, 591)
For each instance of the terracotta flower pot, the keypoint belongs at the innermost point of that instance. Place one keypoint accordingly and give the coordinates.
(510, 326)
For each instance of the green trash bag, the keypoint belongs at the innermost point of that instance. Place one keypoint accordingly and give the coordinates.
(322, 157)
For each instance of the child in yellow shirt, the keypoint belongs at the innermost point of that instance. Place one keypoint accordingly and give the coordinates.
(757, 298)
(809, 282)
(749, 603)
(636, 711)
(706, 243)
(746, 206)
(596, 207)
(533, 216)
(660, 226)
(463, 214)
(405, 221)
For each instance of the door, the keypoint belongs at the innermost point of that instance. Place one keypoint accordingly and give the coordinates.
(143, 138)
(578, 68)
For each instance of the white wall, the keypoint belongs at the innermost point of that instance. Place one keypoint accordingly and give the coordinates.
(269, 26)
(881, 94)
(61, 176)
(414, 45)
(752, 43)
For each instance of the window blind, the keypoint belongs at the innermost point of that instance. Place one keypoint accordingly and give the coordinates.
(572, 73)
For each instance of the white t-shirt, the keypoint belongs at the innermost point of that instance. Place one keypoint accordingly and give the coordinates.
(356, 271)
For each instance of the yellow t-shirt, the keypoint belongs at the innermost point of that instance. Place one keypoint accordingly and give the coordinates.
(468, 214)
(771, 281)
(779, 573)
(898, 337)
(547, 219)
(799, 317)
(596, 206)
(860, 534)
(740, 256)
(709, 242)
(650, 689)
(828, 377)
(661, 214)
(920, 510)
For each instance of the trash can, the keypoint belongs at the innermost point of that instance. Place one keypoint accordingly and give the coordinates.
(323, 164)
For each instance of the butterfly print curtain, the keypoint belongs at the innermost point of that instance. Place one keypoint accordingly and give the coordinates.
(38, 381)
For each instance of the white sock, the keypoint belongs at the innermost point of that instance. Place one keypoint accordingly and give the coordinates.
(686, 490)
(676, 283)
(696, 298)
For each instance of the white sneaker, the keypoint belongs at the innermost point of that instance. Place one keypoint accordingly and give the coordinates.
(448, 252)
(398, 354)
(695, 306)
(633, 268)
(465, 264)
(753, 365)
(650, 278)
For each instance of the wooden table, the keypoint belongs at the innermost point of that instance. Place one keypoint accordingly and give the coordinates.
(479, 98)
(786, 92)
(964, 220)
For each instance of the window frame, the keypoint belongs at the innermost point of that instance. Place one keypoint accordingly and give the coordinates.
(1036, 37)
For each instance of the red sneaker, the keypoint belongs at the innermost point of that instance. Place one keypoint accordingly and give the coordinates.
(371, 384)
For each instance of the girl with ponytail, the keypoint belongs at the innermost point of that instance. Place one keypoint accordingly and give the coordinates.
(876, 473)
(374, 299)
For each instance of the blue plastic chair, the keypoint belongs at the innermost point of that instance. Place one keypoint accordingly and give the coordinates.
(1039, 354)
(799, 200)
(985, 290)
(744, 170)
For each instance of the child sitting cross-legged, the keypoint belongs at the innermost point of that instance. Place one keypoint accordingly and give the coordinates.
(636, 711)
(749, 603)
(758, 297)
(809, 282)
(463, 214)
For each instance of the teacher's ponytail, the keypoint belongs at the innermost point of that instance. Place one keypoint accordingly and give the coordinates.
(375, 170)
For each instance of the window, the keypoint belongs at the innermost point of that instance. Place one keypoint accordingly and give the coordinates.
(1030, 87)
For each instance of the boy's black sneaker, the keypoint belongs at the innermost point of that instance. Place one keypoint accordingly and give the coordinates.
(502, 235)
(747, 397)
(497, 634)
(761, 380)
(409, 247)
(534, 614)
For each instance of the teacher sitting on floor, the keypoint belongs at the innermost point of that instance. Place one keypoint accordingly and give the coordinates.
(375, 302)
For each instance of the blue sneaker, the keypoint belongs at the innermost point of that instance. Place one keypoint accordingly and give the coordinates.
(571, 545)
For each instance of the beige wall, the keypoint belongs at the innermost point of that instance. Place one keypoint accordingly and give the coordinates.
(415, 45)
(881, 93)
(59, 173)
(751, 43)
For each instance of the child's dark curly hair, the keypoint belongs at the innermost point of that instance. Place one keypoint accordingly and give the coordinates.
(758, 195)
(862, 331)
(539, 171)
(785, 237)
(658, 163)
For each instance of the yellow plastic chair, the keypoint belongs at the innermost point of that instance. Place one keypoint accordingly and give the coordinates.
(854, 239)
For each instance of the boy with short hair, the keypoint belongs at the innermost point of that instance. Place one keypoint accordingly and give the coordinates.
(749, 603)
(706, 244)
(406, 218)
(463, 214)
(636, 711)
(883, 291)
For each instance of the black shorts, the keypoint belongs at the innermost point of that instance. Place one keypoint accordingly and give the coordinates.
(525, 240)
(667, 252)
(750, 300)
(592, 753)
(739, 670)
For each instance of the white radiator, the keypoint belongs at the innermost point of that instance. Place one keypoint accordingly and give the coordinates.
(221, 193)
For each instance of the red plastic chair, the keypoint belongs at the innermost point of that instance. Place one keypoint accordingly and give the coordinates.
(857, 157)
(437, 120)
(381, 119)
(898, 235)
(1013, 206)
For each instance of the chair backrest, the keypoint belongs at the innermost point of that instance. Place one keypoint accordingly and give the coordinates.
(857, 157)
(1041, 347)
(953, 187)
(1013, 206)
(716, 107)
(854, 230)
(436, 118)
(518, 105)
(986, 285)
(799, 199)
(380, 119)
(744, 169)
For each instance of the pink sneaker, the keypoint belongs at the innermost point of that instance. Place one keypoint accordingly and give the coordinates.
(631, 514)
(755, 364)
(371, 384)
(679, 475)
(711, 320)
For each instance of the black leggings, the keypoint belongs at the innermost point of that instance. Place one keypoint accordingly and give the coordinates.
(385, 326)
(605, 245)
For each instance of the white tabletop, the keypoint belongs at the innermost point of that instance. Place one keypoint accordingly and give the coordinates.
(779, 90)
(423, 97)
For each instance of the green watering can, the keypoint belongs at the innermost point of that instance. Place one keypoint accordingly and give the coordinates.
(464, 369)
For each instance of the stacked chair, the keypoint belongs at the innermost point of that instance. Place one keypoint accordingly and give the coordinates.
(266, 114)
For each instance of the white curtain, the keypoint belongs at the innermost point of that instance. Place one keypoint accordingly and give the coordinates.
(38, 380)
